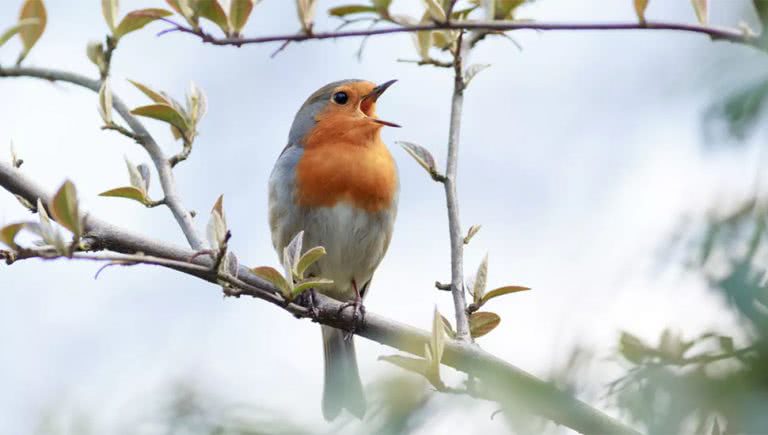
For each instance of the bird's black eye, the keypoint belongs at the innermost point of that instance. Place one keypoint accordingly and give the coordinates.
(340, 98)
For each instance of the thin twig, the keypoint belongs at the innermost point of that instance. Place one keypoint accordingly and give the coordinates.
(717, 33)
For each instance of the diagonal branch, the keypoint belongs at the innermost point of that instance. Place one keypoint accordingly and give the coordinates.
(512, 384)
(717, 33)
(164, 170)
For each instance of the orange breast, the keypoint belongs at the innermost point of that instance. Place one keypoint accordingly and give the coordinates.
(346, 165)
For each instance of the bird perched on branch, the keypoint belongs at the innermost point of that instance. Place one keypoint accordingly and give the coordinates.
(337, 181)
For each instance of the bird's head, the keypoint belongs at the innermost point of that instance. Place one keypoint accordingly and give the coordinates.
(346, 107)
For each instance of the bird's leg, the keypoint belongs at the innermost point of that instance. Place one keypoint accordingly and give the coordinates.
(358, 309)
(308, 300)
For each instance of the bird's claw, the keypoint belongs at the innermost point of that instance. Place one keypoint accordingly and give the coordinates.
(358, 312)
(307, 300)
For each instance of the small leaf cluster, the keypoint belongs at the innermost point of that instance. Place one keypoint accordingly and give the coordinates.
(294, 281)
(183, 120)
(64, 209)
(230, 22)
(138, 190)
(132, 21)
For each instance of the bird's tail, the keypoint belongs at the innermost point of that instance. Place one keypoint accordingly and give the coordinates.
(342, 388)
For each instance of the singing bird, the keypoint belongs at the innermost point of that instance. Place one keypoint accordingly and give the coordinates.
(337, 181)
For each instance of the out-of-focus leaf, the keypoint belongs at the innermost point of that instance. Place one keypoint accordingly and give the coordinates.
(217, 225)
(137, 19)
(13, 30)
(341, 11)
(739, 112)
(30, 34)
(105, 102)
(435, 10)
(702, 14)
(482, 322)
(633, 348)
(415, 365)
(309, 258)
(505, 9)
(437, 341)
(726, 343)
(185, 9)
(308, 284)
(471, 233)
(109, 10)
(129, 192)
(135, 176)
(274, 277)
(163, 112)
(671, 345)
(239, 11)
(95, 52)
(716, 428)
(65, 211)
(382, 6)
(501, 291)
(212, 10)
(8, 234)
(761, 7)
(447, 327)
(197, 103)
(481, 279)
(49, 233)
(640, 7)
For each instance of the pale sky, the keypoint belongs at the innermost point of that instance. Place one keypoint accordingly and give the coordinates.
(580, 155)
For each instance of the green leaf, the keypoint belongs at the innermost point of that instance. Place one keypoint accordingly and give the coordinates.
(306, 11)
(473, 70)
(341, 11)
(30, 34)
(109, 10)
(501, 291)
(309, 258)
(274, 277)
(239, 11)
(95, 52)
(482, 322)
(49, 233)
(135, 176)
(700, 7)
(633, 348)
(8, 234)
(481, 279)
(308, 284)
(13, 30)
(761, 7)
(292, 254)
(415, 365)
(65, 211)
(129, 192)
(422, 156)
(135, 20)
(382, 6)
(640, 7)
(726, 343)
(105, 102)
(153, 95)
(163, 112)
(212, 10)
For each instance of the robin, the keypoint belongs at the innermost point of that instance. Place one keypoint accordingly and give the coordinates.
(337, 181)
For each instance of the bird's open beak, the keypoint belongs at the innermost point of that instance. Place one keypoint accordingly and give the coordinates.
(373, 96)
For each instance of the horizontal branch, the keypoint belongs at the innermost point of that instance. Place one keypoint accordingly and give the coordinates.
(525, 390)
(728, 34)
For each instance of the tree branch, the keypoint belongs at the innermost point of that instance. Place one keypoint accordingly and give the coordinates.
(523, 389)
(451, 197)
(162, 165)
(717, 33)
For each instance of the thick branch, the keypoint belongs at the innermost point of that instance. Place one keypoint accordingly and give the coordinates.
(523, 389)
(165, 174)
(728, 34)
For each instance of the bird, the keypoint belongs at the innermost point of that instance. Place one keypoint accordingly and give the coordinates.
(338, 183)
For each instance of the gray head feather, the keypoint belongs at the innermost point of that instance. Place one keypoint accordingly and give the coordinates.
(305, 117)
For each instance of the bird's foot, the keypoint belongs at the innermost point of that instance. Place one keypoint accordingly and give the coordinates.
(358, 313)
(308, 301)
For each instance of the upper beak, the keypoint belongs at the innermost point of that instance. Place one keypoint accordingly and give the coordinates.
(375, 94)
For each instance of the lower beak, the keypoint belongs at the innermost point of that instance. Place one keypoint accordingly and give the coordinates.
(375, 94)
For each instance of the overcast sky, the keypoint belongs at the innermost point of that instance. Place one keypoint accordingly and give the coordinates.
(580, 154)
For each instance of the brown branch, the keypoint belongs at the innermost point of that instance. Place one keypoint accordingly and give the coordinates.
(716, 33)
(540, 397)
(142, 136)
